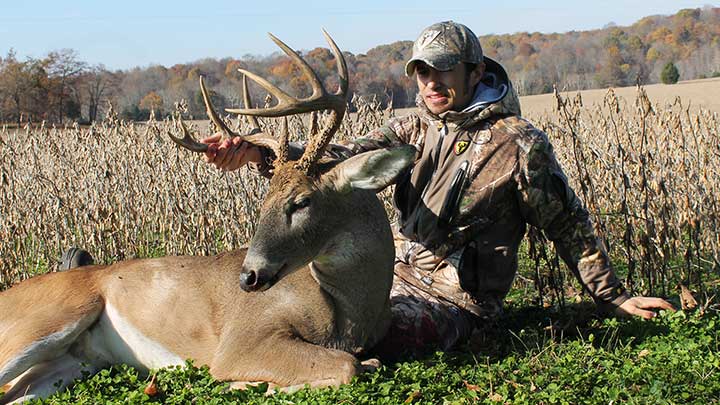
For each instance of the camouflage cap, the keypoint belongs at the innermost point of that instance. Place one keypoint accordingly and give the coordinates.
(444, 45)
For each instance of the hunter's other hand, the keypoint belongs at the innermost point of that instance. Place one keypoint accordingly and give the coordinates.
(230, 154)
(643, 307)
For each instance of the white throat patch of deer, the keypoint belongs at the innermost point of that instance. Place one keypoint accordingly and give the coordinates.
(322, 257)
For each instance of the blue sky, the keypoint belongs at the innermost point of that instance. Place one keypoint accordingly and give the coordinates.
(124, 34)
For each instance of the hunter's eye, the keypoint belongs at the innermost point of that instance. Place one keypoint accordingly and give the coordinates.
(421, 69)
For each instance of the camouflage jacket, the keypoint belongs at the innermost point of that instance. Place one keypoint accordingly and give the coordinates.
(484, 174)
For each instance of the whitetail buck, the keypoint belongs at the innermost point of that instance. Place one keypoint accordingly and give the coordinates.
(323, 243)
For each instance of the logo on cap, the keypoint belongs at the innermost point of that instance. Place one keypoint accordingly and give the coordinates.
(426, 38)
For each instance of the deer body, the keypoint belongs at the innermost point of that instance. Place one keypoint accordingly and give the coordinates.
(155, 313)
(311, 290)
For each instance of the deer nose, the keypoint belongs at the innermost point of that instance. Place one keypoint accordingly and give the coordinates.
(248, 280)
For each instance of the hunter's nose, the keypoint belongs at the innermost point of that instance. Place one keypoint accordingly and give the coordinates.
(248, 280)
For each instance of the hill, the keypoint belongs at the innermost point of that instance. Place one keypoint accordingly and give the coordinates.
(695, 94)
(61, 86)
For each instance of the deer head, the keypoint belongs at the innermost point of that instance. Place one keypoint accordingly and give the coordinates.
(307, 207)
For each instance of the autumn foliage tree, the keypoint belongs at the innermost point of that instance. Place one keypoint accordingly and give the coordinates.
(15, 87)
(61, 86)
(152, 102)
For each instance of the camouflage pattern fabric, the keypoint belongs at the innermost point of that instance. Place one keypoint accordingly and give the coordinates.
(422, 322)
(514, 180)
(444, 45)
(443, 282)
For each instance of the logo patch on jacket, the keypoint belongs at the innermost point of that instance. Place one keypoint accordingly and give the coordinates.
(460, 147)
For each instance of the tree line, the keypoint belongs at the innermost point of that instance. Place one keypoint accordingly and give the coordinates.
(61, 87)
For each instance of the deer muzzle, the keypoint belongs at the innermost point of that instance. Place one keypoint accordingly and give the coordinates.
(260, 279)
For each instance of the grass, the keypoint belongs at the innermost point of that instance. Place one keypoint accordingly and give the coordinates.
(533, 356)
(554, 355)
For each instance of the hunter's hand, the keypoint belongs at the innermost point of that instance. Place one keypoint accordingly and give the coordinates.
(643, 307)
(230, 154)
(424, 259)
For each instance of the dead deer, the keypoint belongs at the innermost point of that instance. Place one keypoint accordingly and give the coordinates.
(323, 243)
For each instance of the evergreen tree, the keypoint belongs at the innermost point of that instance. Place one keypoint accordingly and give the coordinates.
(669, 74)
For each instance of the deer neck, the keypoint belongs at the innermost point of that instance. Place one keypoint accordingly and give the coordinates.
(355, 269)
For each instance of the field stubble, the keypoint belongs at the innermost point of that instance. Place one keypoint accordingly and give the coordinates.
(649, 174)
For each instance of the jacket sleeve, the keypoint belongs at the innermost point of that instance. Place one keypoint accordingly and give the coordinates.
(547, 202)
(398, 131)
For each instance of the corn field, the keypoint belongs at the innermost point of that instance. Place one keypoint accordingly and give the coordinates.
(649, 174)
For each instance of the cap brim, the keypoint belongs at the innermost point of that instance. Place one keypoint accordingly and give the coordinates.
(410, 65)
(442, 66)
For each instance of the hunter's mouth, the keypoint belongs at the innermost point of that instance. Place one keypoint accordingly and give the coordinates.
(436, 98)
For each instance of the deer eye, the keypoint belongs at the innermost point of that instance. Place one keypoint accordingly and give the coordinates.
(292, 207)
(301, 203)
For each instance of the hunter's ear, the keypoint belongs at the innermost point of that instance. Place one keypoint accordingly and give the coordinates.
(372, 170)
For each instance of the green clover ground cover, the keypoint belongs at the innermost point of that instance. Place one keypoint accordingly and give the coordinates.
(533, 357)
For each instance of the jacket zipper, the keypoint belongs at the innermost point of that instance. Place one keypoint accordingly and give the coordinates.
(436, 160)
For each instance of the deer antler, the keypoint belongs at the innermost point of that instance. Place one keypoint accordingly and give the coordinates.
(287, 105)
(318, 101)
(255, 136)
(246, 102)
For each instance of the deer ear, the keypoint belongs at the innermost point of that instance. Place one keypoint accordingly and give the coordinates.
(372, 170)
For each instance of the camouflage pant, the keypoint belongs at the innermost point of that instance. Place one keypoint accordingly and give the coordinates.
(421, 323)
(429, 309)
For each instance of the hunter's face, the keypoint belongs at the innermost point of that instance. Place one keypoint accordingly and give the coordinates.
(446, 90)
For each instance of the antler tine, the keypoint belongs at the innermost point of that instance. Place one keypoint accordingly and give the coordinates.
(210, 110)
(282, 97)
(246, 101)
(317, 87)
(341, 65)
(187, 140)
(316, 146)
(255, 137)
(319, 100)
(283, 151)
